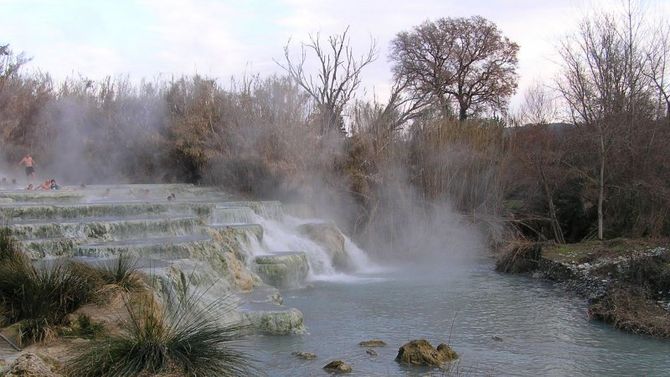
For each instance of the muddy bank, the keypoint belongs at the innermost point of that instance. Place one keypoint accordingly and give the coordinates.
(626, 282)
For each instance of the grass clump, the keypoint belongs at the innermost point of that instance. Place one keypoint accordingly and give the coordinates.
(519, 258)
(38, 297)
(180, 337)
(86, 328)
(110, 277)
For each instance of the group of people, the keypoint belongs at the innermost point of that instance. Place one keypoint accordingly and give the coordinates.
(49, 184)
(29, 164)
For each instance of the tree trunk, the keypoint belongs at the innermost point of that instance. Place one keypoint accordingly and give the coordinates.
(601, 188)
(462, 113)
(555, 225)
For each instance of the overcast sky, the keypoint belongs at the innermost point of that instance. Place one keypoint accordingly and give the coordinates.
(221, 38)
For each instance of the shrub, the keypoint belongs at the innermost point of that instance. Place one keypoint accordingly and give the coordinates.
(38, 297)
(120, 272)
(181, 336)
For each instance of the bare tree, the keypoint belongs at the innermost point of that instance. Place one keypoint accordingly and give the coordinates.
(10, 63)
(658, 66)
(338, 75)
(463, 62)
(603, 85)
(538, 106)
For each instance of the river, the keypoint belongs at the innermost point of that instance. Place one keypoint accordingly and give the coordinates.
(545, 330)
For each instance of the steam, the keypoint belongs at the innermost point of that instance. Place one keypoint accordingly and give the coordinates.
(258, 138)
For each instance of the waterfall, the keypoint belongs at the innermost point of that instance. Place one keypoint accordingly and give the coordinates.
(281, 234)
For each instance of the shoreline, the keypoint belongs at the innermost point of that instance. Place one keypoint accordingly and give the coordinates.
(626, 283)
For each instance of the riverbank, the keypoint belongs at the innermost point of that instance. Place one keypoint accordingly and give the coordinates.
(626, 282)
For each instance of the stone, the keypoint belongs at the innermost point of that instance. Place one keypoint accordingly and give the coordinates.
(372, 343)
(304, 355)
(275, 322)
(421, 352)
(329, 236)
(371, 352)
(29, 365)
(283, 270)
(338, 366)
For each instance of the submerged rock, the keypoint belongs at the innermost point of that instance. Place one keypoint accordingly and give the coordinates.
(304, 355)
(372, 343)
(29, 365)
(338, 366)
(329, 236)
(421, 352)
(283, 270)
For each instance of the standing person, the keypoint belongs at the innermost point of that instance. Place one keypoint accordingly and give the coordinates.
(29, 163)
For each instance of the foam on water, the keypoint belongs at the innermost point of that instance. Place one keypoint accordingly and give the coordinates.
(282, 235)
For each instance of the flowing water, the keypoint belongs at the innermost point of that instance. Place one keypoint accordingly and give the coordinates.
(544, 330)
(540, 330)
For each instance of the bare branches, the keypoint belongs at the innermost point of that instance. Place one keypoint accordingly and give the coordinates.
(459, 62)
(657, 67)
(337, 77)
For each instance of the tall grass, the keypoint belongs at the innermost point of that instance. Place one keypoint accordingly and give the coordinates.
(37, 297)
(181, 337)
(119, 274)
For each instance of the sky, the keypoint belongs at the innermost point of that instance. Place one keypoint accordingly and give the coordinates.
(221, 38)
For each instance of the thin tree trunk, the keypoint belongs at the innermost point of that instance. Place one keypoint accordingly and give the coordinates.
(601, 184)
(555, 225)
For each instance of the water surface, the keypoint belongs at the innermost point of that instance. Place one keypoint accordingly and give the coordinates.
(544, 330)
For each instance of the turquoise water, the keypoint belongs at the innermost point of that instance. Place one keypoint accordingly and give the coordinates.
(545, 331)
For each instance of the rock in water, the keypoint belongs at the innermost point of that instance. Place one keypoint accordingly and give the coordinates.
(421, 352)
(338, 366)
(329, 236)
(29, 365)
(372, 343)
(304, 355)
(283, 270)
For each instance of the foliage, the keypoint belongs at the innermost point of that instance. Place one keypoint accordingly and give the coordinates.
(182, 337)
(39, 297)
(458, 62)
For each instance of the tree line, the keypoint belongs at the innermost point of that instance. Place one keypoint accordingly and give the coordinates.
(583, 157)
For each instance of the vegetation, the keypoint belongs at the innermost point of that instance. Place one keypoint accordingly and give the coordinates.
(110, 276)
(631, 309)
(462, 63)
(181, 337)
(583, 158)
(37, 297)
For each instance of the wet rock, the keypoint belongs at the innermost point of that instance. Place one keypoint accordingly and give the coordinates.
(372, 343)
(338, 366)
(283, 270)
(276, 322)
(371, 352)
(329, 236)
(304, 355)
(29, 365)
(421, 352)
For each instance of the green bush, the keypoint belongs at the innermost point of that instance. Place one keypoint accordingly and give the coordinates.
(121, 273)
(38, 297)
(181, 337)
